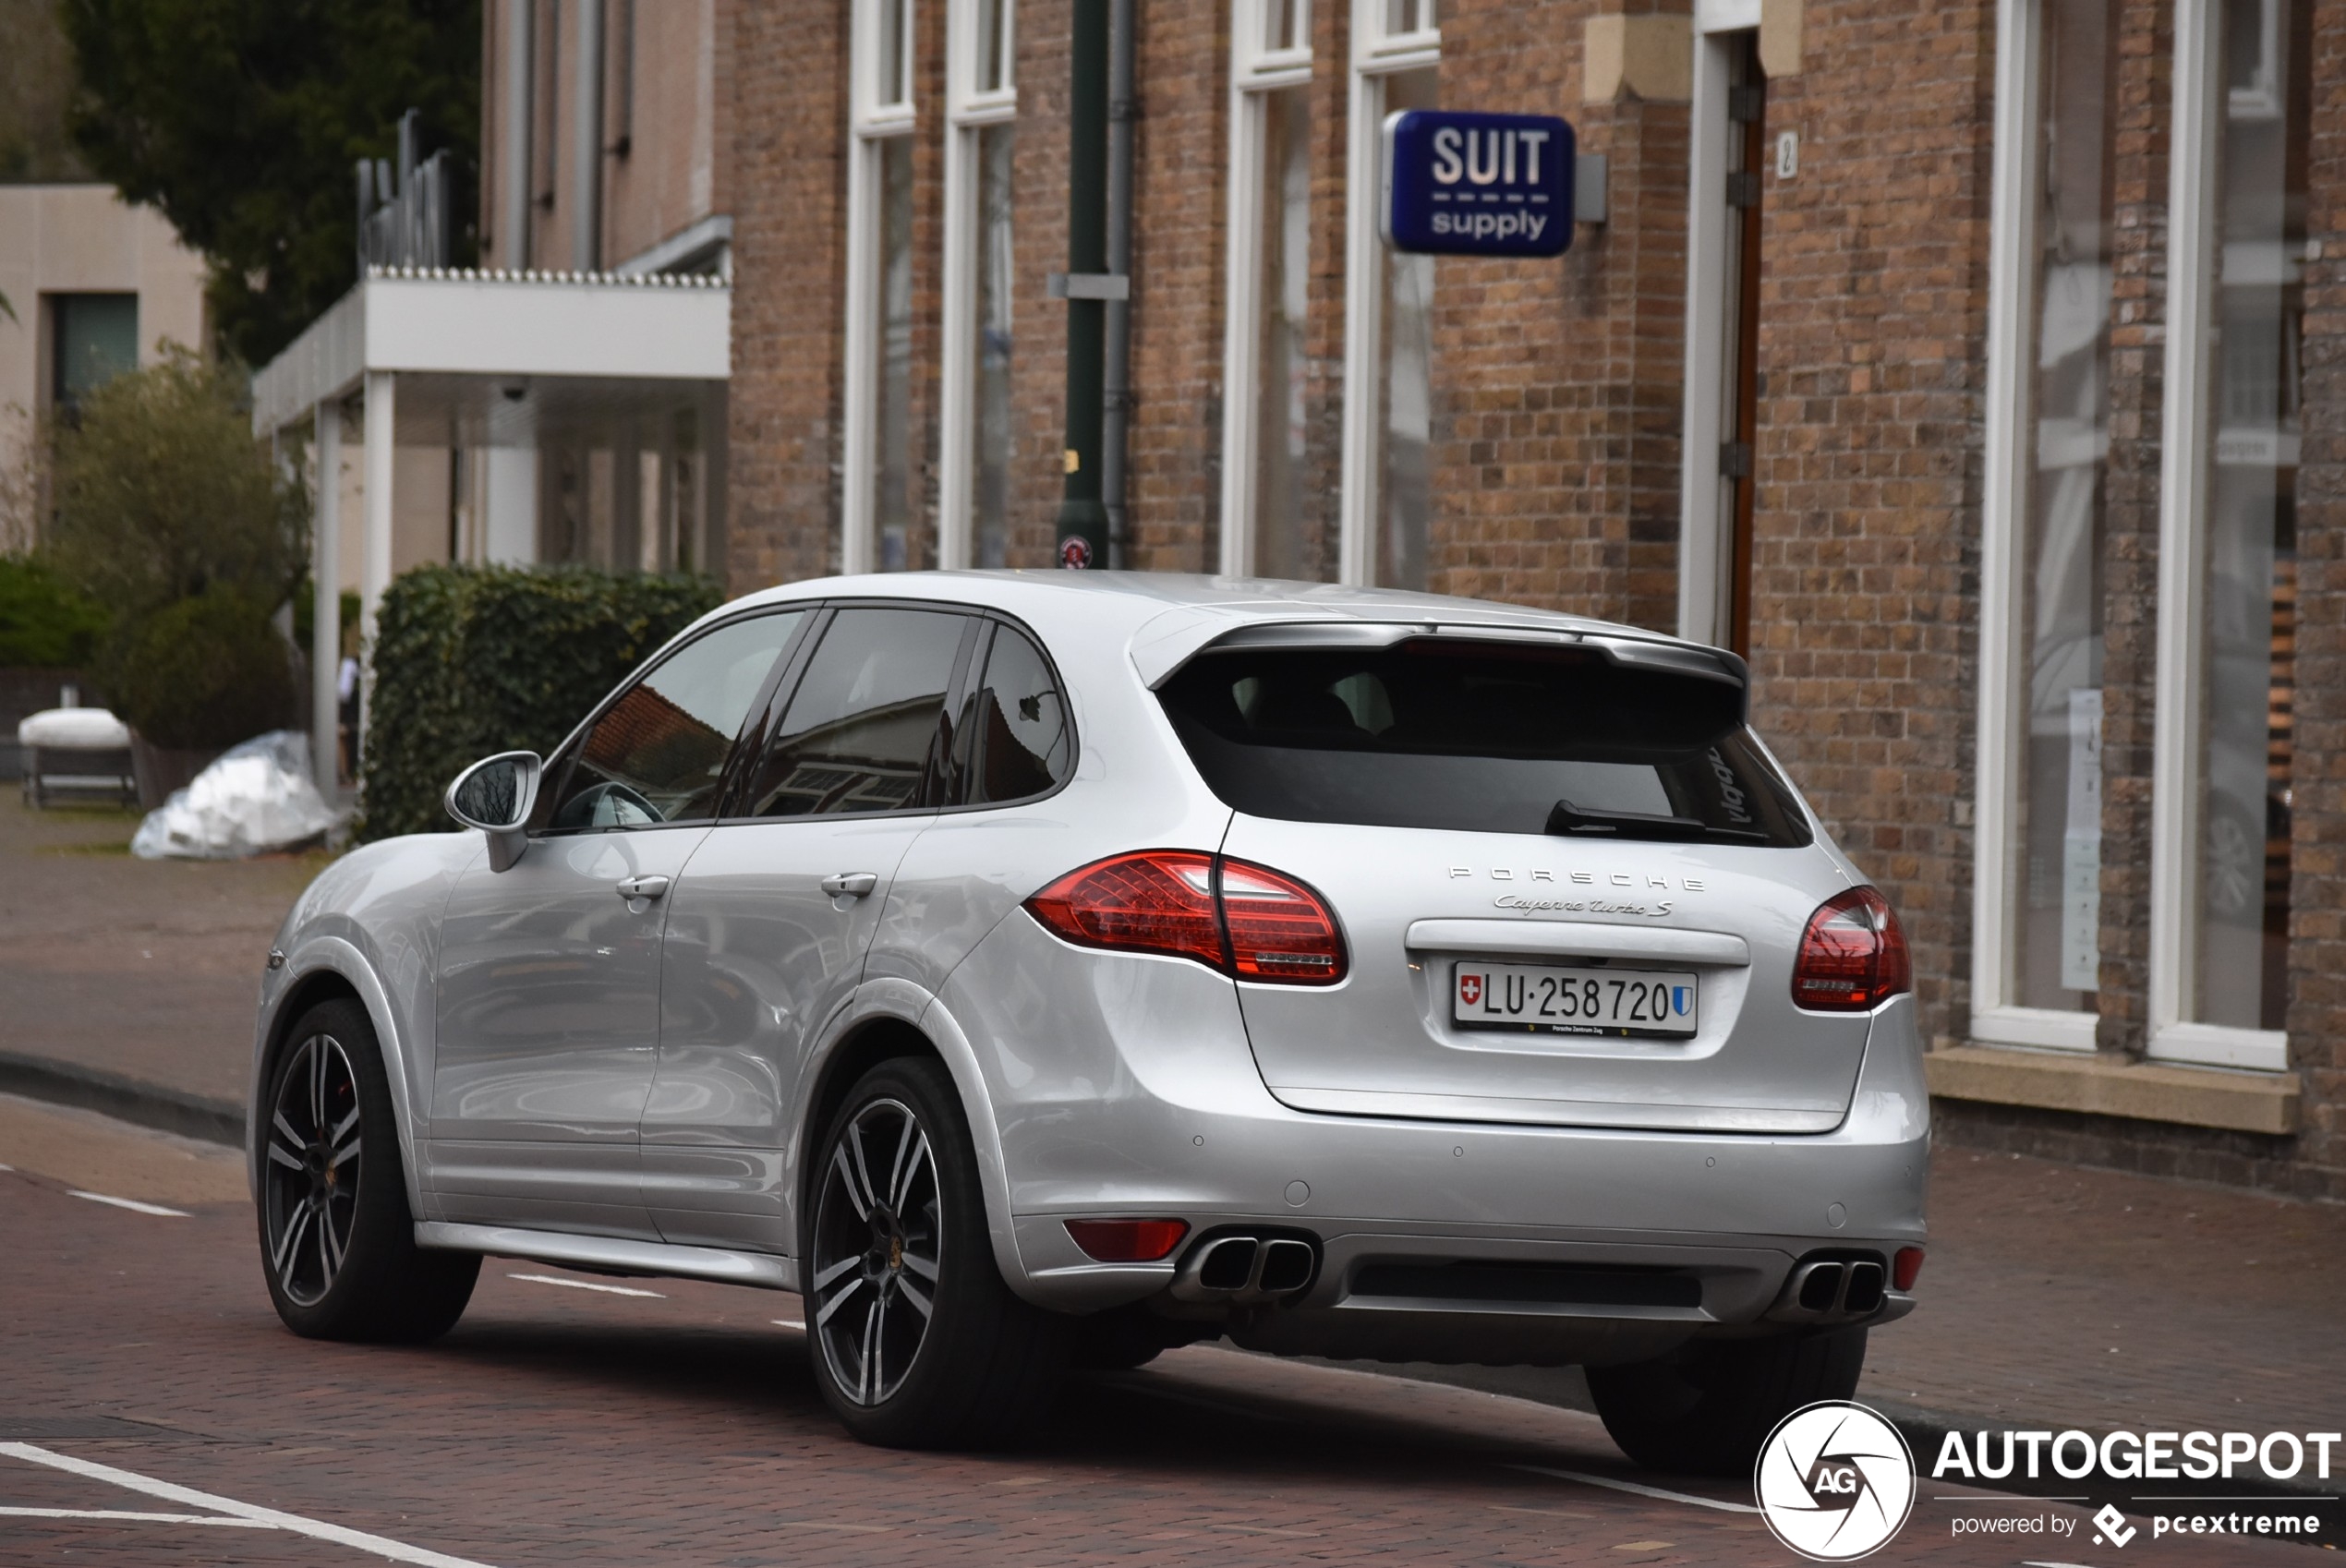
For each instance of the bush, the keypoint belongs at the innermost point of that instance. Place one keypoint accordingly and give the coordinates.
(470, 661)
(162, 494)
(45, 622)
(201, 674)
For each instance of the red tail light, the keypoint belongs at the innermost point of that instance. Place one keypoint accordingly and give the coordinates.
(1244, 920)
(1128, 1241)
(1852, 956)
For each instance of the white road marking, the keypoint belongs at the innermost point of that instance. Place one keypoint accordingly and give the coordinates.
(583, 1285)
(398, 1551)
(789, 1323)
(130, 1515)
(135, 1206)
(1588, 1480)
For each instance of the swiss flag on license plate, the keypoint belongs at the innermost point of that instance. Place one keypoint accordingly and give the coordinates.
(1469, 989)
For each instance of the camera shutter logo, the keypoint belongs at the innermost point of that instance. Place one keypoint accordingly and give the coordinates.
(1834, 1481)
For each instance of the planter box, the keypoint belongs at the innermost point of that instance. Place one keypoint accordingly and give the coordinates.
(161, 770)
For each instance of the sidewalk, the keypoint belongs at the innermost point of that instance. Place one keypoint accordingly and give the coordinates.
(129, 985)
(2054, 1297)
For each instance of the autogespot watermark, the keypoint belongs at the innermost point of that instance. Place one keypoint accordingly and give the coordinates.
(1835, 1482)
(2240, 1458)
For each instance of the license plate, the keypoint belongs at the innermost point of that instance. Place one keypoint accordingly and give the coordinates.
(1556, 1000)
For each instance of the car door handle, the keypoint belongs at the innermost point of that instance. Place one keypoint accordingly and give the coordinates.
(634, 887)
(849, 884)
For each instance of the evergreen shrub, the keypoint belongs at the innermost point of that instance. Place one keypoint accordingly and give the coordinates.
(469, 661)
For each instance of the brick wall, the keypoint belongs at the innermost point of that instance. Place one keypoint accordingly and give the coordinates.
(1872, 361)
(2317, 867)
(2145, 40)
(789, 257)
(1556, 412)
(1557, 385)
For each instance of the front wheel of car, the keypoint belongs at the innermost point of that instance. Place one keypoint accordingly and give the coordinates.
(1705, 1408)
(337, 1238)
(916, 1340)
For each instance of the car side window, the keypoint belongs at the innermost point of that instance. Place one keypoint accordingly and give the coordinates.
(1025, 742)
(658, 754)
(864, 729)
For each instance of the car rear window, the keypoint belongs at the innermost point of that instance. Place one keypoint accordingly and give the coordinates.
(1482, 737)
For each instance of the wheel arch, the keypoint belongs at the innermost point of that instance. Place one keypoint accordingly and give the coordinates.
(881, 1028)
(325, 969)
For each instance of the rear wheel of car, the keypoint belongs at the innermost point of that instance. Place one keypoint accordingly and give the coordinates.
(337, 1238)
(916, 1340)
(1705, 1408)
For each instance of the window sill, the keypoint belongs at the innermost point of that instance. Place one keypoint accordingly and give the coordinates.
(2238, 1102)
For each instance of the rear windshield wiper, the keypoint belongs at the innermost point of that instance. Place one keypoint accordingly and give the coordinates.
(1567, 818)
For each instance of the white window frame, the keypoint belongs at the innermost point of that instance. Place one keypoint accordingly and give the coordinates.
(1703, 508)
(2184, 473)
(2003, 705)
(1256, 70)
(1376, 54)
(877, 112)
(968, 112)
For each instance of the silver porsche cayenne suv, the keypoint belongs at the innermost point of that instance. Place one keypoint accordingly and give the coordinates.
(1043, 971)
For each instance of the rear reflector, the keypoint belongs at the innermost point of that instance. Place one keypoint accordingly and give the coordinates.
(1128, 1241)
(1852, 956)
(1244, 920)
(1906, 1267)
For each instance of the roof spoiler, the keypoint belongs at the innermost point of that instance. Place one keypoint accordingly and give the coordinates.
(1690, 659)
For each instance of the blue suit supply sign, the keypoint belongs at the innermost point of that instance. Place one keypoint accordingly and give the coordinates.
(1477, 185)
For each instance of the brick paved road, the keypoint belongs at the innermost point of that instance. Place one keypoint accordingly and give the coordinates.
(560, 1425)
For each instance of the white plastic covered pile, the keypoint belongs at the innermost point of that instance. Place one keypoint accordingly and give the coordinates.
(257, 797)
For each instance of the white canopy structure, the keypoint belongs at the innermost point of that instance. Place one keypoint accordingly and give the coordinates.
(506, 372)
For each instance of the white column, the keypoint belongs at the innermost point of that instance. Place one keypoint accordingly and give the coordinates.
(325, 570)
(374, 560)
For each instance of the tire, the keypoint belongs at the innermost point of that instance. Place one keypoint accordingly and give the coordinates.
(916, 1341)
(1705, 1408)
(337, 1239)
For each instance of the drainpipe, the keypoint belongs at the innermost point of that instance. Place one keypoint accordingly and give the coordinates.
(1117, 391)
(1083, 519)
(587, 144)
(513, 222)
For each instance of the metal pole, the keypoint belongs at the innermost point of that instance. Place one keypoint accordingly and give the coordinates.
(1117, 391)
(1082, 521)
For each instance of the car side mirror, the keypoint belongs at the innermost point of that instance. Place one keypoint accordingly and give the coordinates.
(496, 795)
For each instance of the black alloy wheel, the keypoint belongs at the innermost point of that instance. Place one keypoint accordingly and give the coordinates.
(877, 1249)
(310, 1184)
(916, 1340)
(337, 1238)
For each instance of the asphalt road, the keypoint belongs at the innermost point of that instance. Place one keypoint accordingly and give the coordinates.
(153, 1411)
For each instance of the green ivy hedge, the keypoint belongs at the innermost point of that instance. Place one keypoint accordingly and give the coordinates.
(470, 661)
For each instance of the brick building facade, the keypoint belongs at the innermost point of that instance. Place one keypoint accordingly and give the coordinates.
(2042, 595)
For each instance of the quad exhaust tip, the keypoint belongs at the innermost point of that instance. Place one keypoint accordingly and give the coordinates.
(1237, 1268)
(1833, 1290)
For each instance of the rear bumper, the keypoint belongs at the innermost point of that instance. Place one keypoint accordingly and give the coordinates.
(1127, 1089)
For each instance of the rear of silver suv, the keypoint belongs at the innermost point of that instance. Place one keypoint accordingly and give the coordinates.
(1596, 1049)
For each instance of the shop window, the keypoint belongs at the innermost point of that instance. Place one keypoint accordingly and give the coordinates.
(2225, 751)
(1271, 509)
(2037, 958)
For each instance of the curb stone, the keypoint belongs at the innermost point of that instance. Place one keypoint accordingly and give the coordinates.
(126, 1099)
